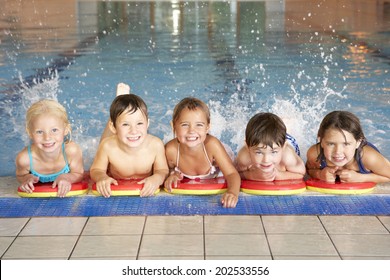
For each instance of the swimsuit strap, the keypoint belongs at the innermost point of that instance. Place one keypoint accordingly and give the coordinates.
(212, 167)
(30, 157)
(64, 153)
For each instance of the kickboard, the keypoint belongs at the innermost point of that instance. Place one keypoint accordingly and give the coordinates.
(200, 186)
(339, 188)
(46, 190)
(280, 187)
(124, 188)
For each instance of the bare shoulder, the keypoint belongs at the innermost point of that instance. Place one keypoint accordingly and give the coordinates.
(313, 152)
(171, 145)
(154, 139)
(371, 156)
(22, 158)
(72, 148)
(108, 143)
(243, 156)
(212, 141)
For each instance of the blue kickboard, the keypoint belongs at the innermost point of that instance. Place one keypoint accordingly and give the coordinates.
(88, 206)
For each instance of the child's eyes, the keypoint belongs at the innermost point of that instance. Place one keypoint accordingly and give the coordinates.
(39, 132)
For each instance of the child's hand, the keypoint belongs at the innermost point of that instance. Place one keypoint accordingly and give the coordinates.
(28, 185)
(150, 186)
(347, 175)
(328, 174)
(63, 185)
(104, 186)
(229, 200)
(172, 180)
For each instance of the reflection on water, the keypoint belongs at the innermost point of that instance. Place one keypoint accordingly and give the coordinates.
(298, 59)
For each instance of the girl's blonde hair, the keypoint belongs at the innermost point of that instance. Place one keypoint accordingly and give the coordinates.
(47, 106)
(191, 104)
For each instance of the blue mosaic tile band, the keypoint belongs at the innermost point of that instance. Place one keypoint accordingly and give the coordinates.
(89, 206)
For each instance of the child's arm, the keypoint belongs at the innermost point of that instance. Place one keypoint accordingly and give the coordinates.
(373, 161)
(294, 165)
(230, 198)
(23, 175)
(160, 171)
(75, 159)
(98, 171)
(328, 174)
(173, 177)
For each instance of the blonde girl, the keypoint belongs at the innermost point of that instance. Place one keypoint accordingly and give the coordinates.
(49, 157)
(194, 153)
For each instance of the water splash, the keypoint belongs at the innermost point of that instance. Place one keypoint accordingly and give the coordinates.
(302, 115)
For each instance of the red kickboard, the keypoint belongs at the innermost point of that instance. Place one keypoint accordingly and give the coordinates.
(124, 188)
(200, 186)
(340, 188)
(280, 187)
(46, 190)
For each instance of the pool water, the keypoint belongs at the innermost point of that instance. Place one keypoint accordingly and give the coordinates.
(239, 57)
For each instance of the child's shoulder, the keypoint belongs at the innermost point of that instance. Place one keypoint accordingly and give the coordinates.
(151, 139)
(314, 149)
(72, 148)
(22, 157)
(210, 139)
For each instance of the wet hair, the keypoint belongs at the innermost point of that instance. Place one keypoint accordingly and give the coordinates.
(128, 103)
(342, 121)
(47, 106)
(267, 129)
(191, 104)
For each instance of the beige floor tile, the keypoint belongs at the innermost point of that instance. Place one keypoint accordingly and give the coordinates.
(324, 258)
(107, 246)
(367, 258)
(301, 245)
(233, 224)
(5, 242)
(353, 225)
(171, 245)
(292, 224)
(122, 225)
(41, 247)
(54, 226)
(172, 258)
(174, 225)
(238, 257)
(131, 258)
(12, 226)
(365, 245)
(236, 245)
(386, 221)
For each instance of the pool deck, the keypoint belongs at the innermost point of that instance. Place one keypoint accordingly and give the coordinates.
(196, 237)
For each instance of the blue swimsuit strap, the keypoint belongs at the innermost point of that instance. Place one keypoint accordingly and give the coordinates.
(49, 177)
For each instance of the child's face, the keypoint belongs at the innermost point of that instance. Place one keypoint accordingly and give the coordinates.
(266, 157)
(339, 150)
(47, 132)
(131, 128)
(191, 128)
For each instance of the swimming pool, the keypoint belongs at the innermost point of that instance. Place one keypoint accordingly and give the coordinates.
(241, 57)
